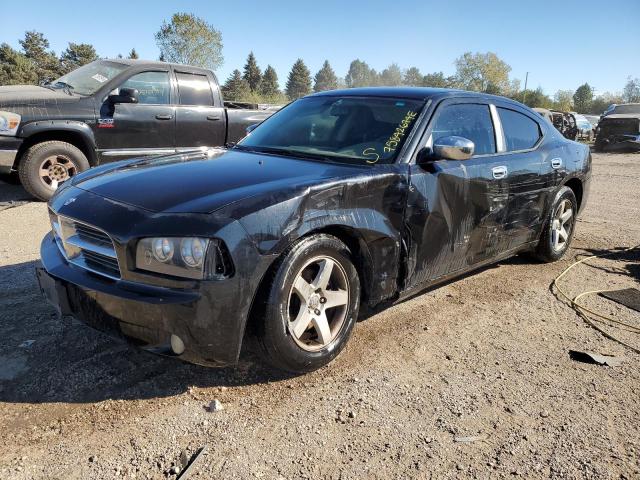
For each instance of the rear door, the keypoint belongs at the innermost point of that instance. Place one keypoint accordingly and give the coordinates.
(143, 128)
(522, 134)
(200, 120)
(456, 208)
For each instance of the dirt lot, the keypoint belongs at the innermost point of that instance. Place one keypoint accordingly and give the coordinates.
(484, 357)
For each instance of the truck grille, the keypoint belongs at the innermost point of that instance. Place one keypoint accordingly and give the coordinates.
(85, 246)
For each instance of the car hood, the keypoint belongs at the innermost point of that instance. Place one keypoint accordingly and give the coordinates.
(204, 182)
(31, 95)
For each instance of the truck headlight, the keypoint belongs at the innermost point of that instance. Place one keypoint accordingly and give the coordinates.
(187, 257)
(9, 123)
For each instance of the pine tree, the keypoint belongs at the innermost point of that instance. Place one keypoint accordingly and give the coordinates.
(412, 77)
(299, 81)
(46, 63)
(15, 68)
(133, 55)
(269, 87)
(391, 76)
(77, 55)
(252, 74)
(235, 88)
(325, 79)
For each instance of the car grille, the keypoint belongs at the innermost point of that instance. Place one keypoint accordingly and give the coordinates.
(85, 246)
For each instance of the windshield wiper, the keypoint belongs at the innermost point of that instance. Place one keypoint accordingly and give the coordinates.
(67, 86)
(285, 152)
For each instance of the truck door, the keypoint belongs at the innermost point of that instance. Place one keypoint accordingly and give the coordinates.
(456, 208)
(144, 128)
(199, 121)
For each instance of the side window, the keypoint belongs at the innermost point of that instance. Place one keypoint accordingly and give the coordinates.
(194, 89)
(520, 131)
(469, 120)
(153, 87)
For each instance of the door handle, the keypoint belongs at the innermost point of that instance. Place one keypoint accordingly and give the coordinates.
(556, 163)
(213, 117)
(162, 116)
(499, 172)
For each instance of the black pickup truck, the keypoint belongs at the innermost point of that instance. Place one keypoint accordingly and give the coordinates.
(113, 110)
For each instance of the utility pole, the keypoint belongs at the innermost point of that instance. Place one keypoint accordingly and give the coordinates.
(524, 92)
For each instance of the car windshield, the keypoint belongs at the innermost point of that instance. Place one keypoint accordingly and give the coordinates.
(357, 130)
(88, 79)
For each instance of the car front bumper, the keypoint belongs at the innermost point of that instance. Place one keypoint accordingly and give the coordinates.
(209, 318)
(9, 147)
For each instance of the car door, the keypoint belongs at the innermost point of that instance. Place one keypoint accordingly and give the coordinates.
(200, 122)
(522, 134)
(143, 128)
(456, 208)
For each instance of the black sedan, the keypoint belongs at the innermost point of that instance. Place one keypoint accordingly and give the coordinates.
(343, 199)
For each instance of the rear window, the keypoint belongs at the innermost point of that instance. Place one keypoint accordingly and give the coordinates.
(194, 89)
(520, 131)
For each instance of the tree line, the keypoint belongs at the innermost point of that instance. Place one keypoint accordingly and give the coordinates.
(188, 39)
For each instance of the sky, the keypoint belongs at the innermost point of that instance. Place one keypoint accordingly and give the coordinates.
(561, 43)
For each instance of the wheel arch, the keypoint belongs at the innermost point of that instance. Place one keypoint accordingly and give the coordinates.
(348, 235)
(575, 184)
(77, 134)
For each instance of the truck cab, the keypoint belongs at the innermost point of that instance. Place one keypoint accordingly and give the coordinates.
(113, 110)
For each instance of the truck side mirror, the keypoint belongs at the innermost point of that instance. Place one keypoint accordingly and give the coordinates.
(126, 95)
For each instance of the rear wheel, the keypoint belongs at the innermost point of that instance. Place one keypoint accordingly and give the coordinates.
(312, 305)
(559, 228)
(46, 165)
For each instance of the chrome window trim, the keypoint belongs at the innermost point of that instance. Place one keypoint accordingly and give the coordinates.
(497, 129)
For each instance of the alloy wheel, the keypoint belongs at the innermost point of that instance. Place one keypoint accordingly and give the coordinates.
(318, 303)
(55, 169)
(562, 225)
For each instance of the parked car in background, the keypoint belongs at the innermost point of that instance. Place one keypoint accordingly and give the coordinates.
(565, 122)
(618, 132)
(363, 196)
(593, 120)
(113, 110)
(586, 131)
(622, 108)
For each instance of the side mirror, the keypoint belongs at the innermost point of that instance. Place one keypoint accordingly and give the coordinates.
(126, 95)
(251, 128)
(453, 148)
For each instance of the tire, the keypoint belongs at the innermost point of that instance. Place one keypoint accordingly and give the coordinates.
(61, 159)
(286, 343)
(553, 245)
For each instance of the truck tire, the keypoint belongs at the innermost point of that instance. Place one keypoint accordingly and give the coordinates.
(559, 227)
(311, 306)
(45, 165)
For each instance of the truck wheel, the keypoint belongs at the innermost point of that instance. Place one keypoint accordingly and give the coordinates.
(46, 165)
(559, 227)
(312, 305)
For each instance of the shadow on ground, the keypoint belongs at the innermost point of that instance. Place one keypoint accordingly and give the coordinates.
(12, 191)
(45, 359)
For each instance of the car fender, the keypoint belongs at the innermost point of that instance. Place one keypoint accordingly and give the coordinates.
(47, 129)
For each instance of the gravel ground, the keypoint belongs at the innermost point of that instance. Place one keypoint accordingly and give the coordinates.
(470, 380)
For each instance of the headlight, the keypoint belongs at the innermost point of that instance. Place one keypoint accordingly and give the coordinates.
(9, 123)
(178, 256)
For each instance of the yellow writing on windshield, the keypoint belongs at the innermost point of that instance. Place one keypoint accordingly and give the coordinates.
(399, 132)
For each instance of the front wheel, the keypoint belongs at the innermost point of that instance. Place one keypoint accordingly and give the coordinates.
(312, 305)
(46, 165)
(559, 227)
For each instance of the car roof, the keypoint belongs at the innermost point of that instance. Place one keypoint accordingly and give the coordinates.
(153, 63)
(414, 93)
(622, 115)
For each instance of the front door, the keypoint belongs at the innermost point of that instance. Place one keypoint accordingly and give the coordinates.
(144, 128)
(456, 208)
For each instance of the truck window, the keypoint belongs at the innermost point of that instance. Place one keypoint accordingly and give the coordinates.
(153, 87)
(194, 89)
(468, 120)
(520, 132)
